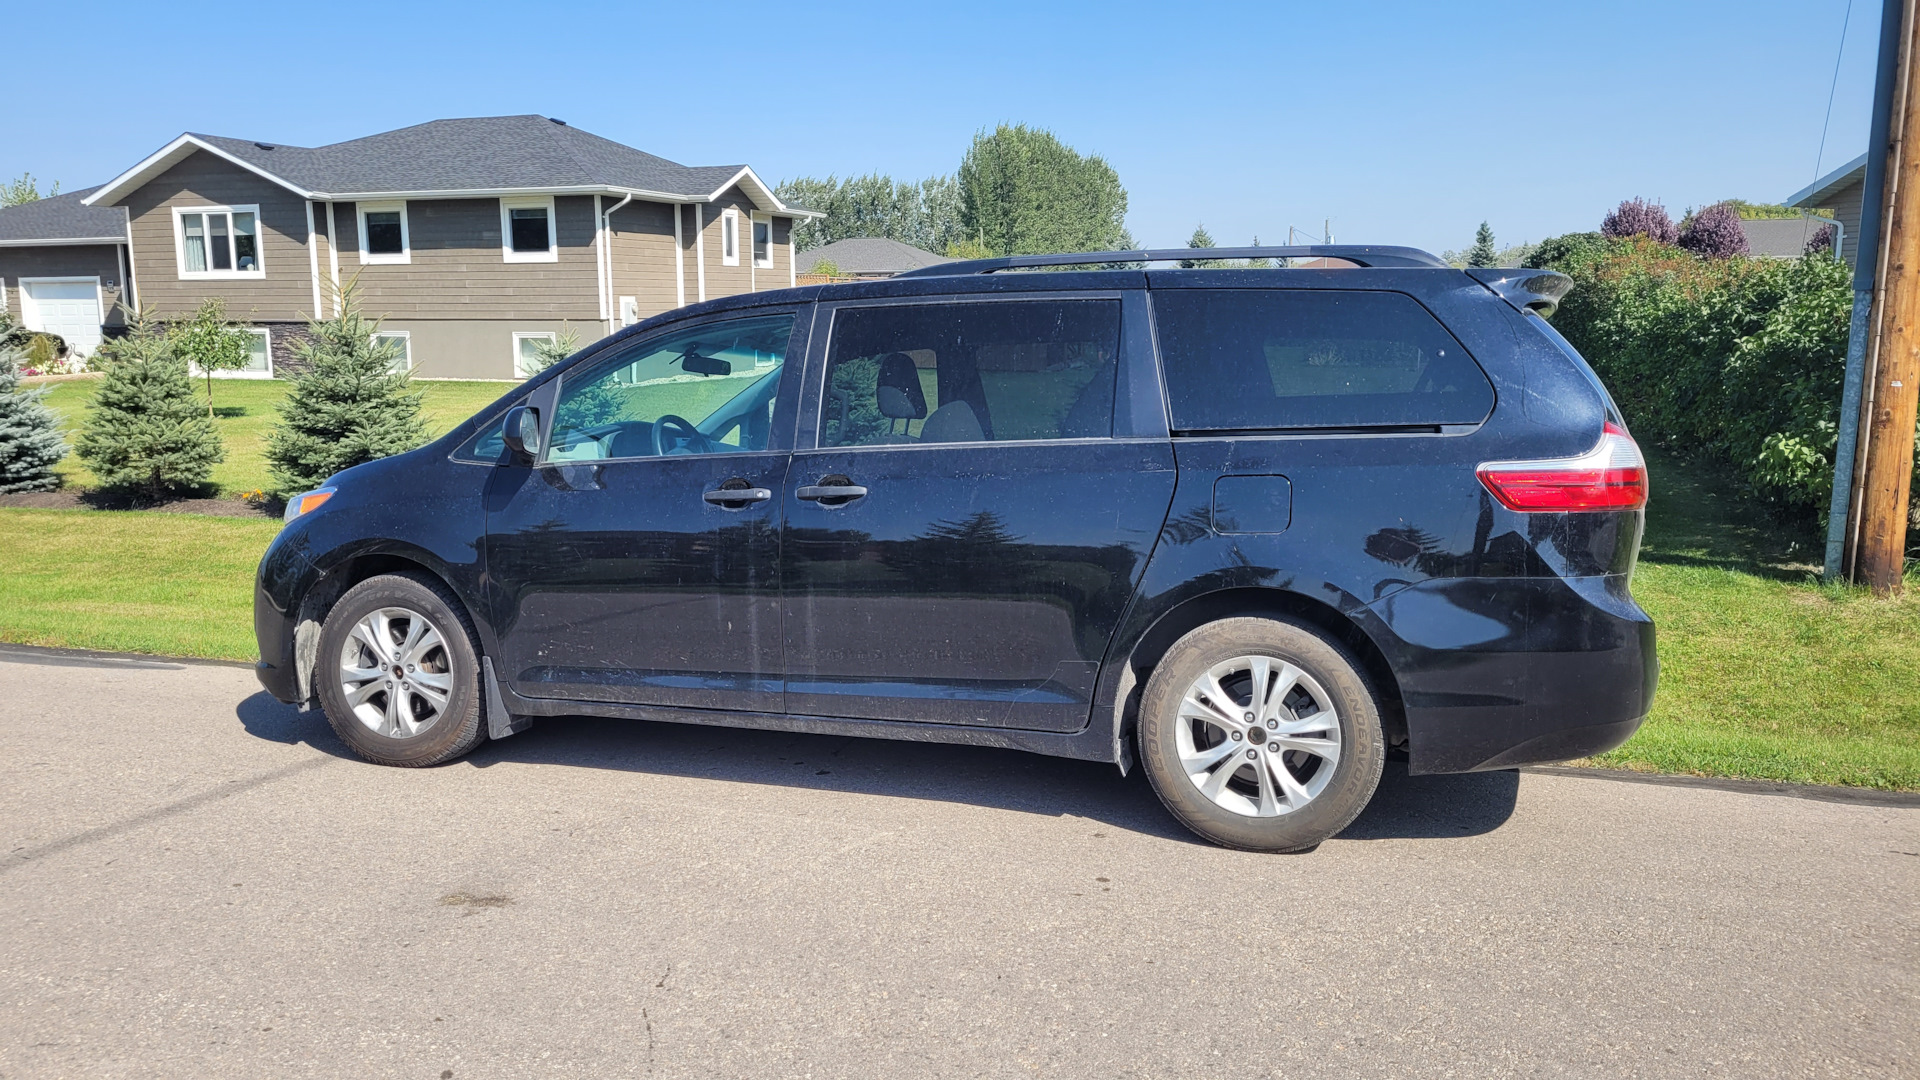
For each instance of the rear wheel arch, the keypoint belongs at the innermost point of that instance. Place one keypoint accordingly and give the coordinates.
(1195, 612)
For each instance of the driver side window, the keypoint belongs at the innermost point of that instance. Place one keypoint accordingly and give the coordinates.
(707, 389)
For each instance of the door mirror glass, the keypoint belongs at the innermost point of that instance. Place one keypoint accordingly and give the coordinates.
(522, 430)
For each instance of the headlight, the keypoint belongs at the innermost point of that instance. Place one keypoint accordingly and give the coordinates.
(308, 502)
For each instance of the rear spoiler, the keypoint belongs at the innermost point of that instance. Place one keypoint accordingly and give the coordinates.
(1538, 291)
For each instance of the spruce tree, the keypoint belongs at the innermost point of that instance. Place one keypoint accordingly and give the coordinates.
(30, 440)
(1482, 253)
(348, 407)
(146, 433)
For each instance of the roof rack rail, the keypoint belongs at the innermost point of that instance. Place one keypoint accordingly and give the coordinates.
(1371, 255)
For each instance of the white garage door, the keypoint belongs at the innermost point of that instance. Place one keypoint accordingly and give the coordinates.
(68, 308)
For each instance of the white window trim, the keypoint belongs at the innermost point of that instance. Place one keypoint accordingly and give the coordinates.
(507, 254)
(406, 346)
(524, 335)
(265, 335)
(259, 243)
(367, 258)
(730, 231)
(767, 220)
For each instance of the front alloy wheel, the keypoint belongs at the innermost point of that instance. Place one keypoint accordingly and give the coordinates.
(395, 673)
(398, 671)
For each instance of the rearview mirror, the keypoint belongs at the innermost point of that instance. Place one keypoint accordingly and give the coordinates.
(692, 361)
(522, 431)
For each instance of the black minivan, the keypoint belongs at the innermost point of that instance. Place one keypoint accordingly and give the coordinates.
(1258, 525)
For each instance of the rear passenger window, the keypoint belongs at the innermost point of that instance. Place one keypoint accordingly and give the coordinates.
(971, 372)
(1246, 359)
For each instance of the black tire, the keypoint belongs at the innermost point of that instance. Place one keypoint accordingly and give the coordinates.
(452, 730)
(1342, 793)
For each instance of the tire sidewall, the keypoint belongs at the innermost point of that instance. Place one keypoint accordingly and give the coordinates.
(1363, 750)
(455, 732)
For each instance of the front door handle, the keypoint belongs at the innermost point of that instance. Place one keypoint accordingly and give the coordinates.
(735, 498)
(831, 494)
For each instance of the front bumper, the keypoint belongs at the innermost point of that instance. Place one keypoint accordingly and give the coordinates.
(1500, 672)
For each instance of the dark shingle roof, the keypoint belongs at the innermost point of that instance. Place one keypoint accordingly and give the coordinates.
(486, 153)
(869, 255)
(62, 217)
(1780, 238)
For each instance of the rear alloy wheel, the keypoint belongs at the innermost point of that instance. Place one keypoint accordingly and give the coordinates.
(398, 674)
(1261, 734)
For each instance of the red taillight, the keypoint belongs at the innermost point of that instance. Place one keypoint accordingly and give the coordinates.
(1611, 476)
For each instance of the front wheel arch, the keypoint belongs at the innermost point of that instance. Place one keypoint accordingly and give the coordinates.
(327, 591)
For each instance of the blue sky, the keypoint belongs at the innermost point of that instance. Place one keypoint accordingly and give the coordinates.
(1402, 122)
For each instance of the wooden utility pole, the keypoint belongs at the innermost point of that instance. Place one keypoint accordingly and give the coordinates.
(1896, 378)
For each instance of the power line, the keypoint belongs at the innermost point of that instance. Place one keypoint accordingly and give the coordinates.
(1822, 152)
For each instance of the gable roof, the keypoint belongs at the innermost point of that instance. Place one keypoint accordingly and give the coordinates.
(869, 255)
(62, 219)
(486, 155)
(1853, 172)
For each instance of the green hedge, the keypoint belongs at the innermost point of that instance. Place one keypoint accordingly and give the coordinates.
(1739, 359)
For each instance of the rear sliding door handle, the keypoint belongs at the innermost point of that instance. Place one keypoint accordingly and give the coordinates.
(830, 494)
(735, 498)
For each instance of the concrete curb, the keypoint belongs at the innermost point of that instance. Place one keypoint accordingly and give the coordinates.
(1816, 792)
(45, 654)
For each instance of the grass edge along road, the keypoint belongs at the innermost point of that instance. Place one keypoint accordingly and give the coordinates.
(1764, 673)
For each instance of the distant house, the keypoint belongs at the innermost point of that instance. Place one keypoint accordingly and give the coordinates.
(471, 238)
(1838, 191)
(868, 257)
(1785, 238)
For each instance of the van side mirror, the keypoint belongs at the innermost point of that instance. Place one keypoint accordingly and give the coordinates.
(522, 431)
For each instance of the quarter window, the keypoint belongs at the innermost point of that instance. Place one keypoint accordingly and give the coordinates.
(383, 233)
(703, 390)
(1259, 359)
(218, 241)
(527, 230)
(940, 373)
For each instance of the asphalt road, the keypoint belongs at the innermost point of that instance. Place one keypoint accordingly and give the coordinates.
(197, 882)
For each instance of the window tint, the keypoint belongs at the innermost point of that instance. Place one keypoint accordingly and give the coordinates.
(1247, 359)
(708, 389)
(925, 373)
(383, 232)
(529, 228)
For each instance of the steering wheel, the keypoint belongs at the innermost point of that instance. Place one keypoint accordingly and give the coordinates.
(688, 439)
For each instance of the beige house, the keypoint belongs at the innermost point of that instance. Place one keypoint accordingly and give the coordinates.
(471, 239)
(1838, 192)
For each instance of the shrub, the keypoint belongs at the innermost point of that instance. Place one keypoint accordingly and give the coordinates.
(1638, 217)
(547, 353)
(146, 433)
(30, 440)
(1821, 242)
(1715, 233)
(347, 408)
(1738, 359)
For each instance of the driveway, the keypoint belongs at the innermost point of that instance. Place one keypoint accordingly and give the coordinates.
(198, 882)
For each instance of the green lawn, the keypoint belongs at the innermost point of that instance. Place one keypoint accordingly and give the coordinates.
(1763, 672)
(245, 409)
(130, 581)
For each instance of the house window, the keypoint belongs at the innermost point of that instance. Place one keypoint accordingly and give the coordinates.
(259, 353)
(383, 233)
(218, 241)
(529, 359)
(401, 341)
(527, 231)
(763, 244)
(730, 237)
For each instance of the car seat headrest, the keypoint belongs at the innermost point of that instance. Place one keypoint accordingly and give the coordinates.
(898, 391)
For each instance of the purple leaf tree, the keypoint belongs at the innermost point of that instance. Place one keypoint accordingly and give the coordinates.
(1715, 233)
(1821, 242)
(1638, 217)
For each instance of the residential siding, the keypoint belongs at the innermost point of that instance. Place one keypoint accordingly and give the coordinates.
(723, 280)
(458, 272)
(479, 348)
(781, 276)
(1845, 205)
(641, 240)
(64, 260)
(284, 291)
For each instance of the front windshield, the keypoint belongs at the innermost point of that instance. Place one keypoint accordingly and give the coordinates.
(707, 389)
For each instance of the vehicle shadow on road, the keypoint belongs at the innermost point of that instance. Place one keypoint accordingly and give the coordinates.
(1404, 807)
